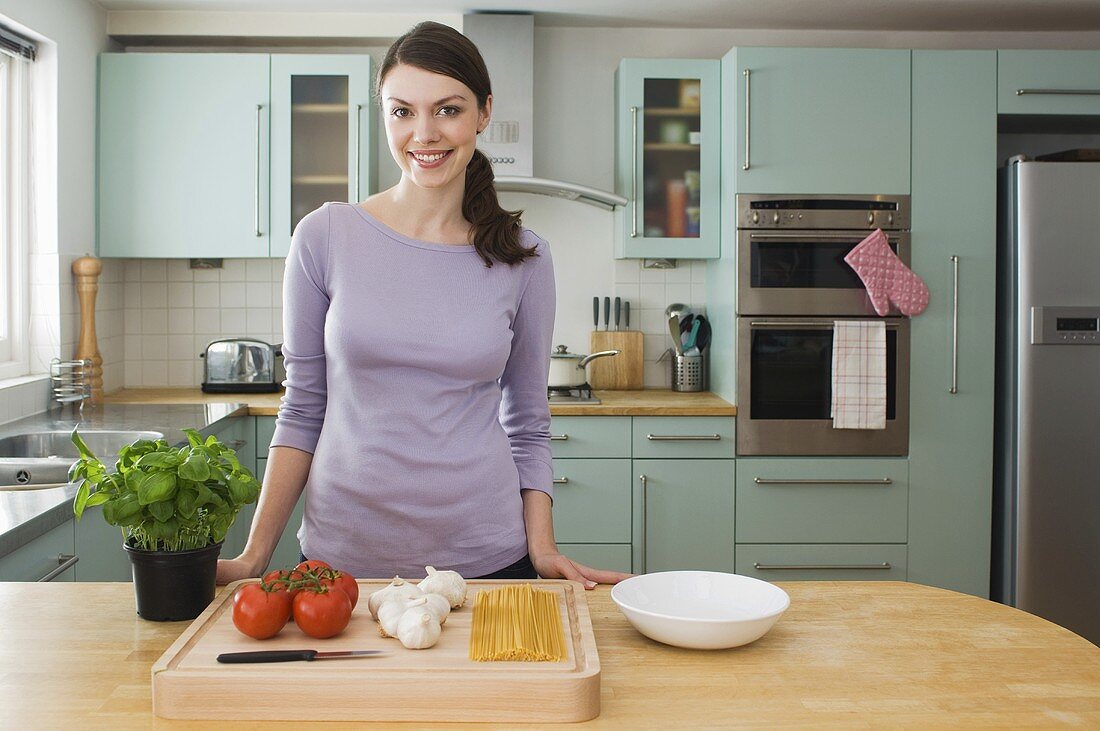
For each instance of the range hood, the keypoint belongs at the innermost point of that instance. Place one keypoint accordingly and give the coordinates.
(506, 42)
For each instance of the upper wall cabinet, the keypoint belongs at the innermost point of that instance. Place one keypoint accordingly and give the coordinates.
(321, 137)
(821, 120)
(1048, 82)
(668, 115)
(183, 154)
(220, 155)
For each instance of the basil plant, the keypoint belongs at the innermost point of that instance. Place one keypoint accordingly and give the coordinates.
(166, 498)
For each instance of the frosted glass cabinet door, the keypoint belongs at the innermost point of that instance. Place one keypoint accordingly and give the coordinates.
(183, 155)
(321, 132)
(668, 122)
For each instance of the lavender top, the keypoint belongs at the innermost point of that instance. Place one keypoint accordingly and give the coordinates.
(417, 378)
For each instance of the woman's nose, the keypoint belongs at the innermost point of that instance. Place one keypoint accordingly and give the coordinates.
(425, 131)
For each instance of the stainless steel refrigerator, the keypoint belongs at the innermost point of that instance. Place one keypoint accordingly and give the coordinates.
(1046, 552)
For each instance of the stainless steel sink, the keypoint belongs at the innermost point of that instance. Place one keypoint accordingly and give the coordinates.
(40, 460)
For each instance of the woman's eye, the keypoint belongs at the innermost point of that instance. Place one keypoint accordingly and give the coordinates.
(449, 111)
(400, 112)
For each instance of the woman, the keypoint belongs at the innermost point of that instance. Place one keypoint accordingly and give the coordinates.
(417, 341)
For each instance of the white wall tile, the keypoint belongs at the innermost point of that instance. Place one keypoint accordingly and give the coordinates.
(682, 272)
(258, 294)
(653, 321)
(627, 270)
(132, 322)
(181, 373)
(181, 347)
(277, 324)
(233, 294)
(208, 320)
(131, 347)
(234, 321)
(154, 294)
(651, 295)
(154, 321)
(678, 292)
(257, 270)
(278, 267)
(181, 321)
(181, 294)
(179, 270)
(131, 294)
(651, 275)
(233, 270)
(154, 373)
(132, 272)
(206, 275)
(258, 320)
(154, 347)
(699, 270)
(154, 270)
(207, 294)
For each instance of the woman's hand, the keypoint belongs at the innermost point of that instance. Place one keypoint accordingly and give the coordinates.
(233, 569)
(556, 566)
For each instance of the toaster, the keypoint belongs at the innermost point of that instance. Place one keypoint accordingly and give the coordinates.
(239, 365)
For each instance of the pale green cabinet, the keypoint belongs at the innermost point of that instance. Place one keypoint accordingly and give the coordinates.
(42, 557)
(954, 251)
(288, 549)
(820, 120)
(684, 514)
(183, 155)
(667, 140)
(822, 562)
(322, 132)
(240, 435)
(1048, 82)
(220, 155)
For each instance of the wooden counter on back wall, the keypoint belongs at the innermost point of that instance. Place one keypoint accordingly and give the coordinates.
(649, 402)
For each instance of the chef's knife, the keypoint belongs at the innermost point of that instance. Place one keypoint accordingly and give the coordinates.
(291, 655)
(606, 313)
(618, 310)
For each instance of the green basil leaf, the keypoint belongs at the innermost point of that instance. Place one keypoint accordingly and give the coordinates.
(81, 501)
(97, 498)
(195, 468)
(186, 498)
(81, 446)
(156, 486)
(157, 460)
(162, 511)
(193, 437)
(127, 506)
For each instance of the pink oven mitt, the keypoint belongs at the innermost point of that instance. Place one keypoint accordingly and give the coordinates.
(886, 277)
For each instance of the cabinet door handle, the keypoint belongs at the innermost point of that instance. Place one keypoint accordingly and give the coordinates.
(1064, 92)
(683, 437)
(633, 172)
(645, 523)
(358, 131)
(747, 74)
(259, 110)
(559, 437)
(770, 481)
(822, 567)
(64, 563)
(955, 327)
(561, 480)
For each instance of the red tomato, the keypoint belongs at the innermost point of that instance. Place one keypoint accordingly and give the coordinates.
(343, 580)
(323, 613)
(258, 613)
(312, 565)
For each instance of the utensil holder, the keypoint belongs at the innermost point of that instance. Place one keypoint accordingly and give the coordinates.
(689, 372)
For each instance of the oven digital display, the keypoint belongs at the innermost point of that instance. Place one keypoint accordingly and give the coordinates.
(1078, 324)
(823, 204)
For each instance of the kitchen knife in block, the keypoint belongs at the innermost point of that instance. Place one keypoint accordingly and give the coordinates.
(622, 372)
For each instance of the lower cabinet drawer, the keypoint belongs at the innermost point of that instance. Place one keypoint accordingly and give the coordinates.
(41, 556)
(684, 437)
(822, 500)
(810, 562)
(592, 500)
(609, 556)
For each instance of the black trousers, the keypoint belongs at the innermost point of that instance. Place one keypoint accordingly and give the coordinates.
(522, 569)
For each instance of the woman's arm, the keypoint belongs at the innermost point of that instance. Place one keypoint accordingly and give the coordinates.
(548, 562)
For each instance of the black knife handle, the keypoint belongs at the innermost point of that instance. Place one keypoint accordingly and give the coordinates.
(596, 312)
(607, 313)
(626, 313)
(267, 656)
(618, 310)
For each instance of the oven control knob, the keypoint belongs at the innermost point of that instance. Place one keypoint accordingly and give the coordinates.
(756, 217)
(890, 218)
(775, 217)
(871, 217)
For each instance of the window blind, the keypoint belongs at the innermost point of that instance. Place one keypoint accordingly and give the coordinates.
(14, 44)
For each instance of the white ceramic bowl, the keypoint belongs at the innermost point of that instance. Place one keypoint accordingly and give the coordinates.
(705, 610)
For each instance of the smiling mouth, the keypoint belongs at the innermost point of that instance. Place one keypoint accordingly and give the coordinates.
(430, 160)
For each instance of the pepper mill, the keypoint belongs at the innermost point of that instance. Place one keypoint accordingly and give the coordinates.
(86, 271)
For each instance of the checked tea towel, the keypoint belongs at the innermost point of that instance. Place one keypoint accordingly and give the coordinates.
(859, 374)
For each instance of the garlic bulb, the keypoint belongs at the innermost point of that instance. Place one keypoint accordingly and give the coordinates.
(396, 588)
(447, 583)
(438, 605)
(392, 609)
(418, 630)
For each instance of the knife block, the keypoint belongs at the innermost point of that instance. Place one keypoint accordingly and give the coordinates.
(622, 372)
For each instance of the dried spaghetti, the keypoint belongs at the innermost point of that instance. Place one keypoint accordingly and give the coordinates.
(517, 622)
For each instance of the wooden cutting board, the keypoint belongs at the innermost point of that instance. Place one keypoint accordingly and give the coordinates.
(437, 684)
(622, 372)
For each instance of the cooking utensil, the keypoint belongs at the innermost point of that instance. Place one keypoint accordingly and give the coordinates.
(674, 331)
(677, 310)
(567, 369)
(692, 334)
(606, 313)
(702, 340)
(595, 313)
(618, 310)
(626, 307)
(292, 655)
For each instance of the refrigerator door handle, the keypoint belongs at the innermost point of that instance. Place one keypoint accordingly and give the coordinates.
(955, 327)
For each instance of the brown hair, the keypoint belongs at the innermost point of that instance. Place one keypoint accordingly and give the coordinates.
(443, 50)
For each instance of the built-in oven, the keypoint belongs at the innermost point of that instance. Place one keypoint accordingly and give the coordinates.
(784, 389)
(791, 249)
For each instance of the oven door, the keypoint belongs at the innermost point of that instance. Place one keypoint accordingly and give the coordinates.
(784, 390)
(804, 272)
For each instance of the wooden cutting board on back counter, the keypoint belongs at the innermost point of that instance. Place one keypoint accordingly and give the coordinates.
(622, 372)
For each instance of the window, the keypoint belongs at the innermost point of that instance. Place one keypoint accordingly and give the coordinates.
(16, 189)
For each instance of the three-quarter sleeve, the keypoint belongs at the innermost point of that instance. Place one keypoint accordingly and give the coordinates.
(524, 411)
(305, 307)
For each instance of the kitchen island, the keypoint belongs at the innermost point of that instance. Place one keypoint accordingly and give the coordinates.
(846, 654)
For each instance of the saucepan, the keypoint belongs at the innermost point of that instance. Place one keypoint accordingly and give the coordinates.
(567, 369)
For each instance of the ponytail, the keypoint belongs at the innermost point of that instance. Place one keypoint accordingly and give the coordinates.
(495, 232)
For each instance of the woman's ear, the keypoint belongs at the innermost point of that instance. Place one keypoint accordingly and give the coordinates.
(485, 114)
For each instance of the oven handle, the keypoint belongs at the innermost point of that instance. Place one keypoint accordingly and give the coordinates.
(803, 236)
(805, 324)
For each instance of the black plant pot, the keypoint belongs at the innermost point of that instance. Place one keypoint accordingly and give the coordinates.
(174, 585)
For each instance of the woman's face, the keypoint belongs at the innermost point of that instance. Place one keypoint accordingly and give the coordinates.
(432, 123)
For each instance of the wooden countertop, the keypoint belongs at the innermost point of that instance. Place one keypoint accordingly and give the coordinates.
(648, 402)
(846, 654)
